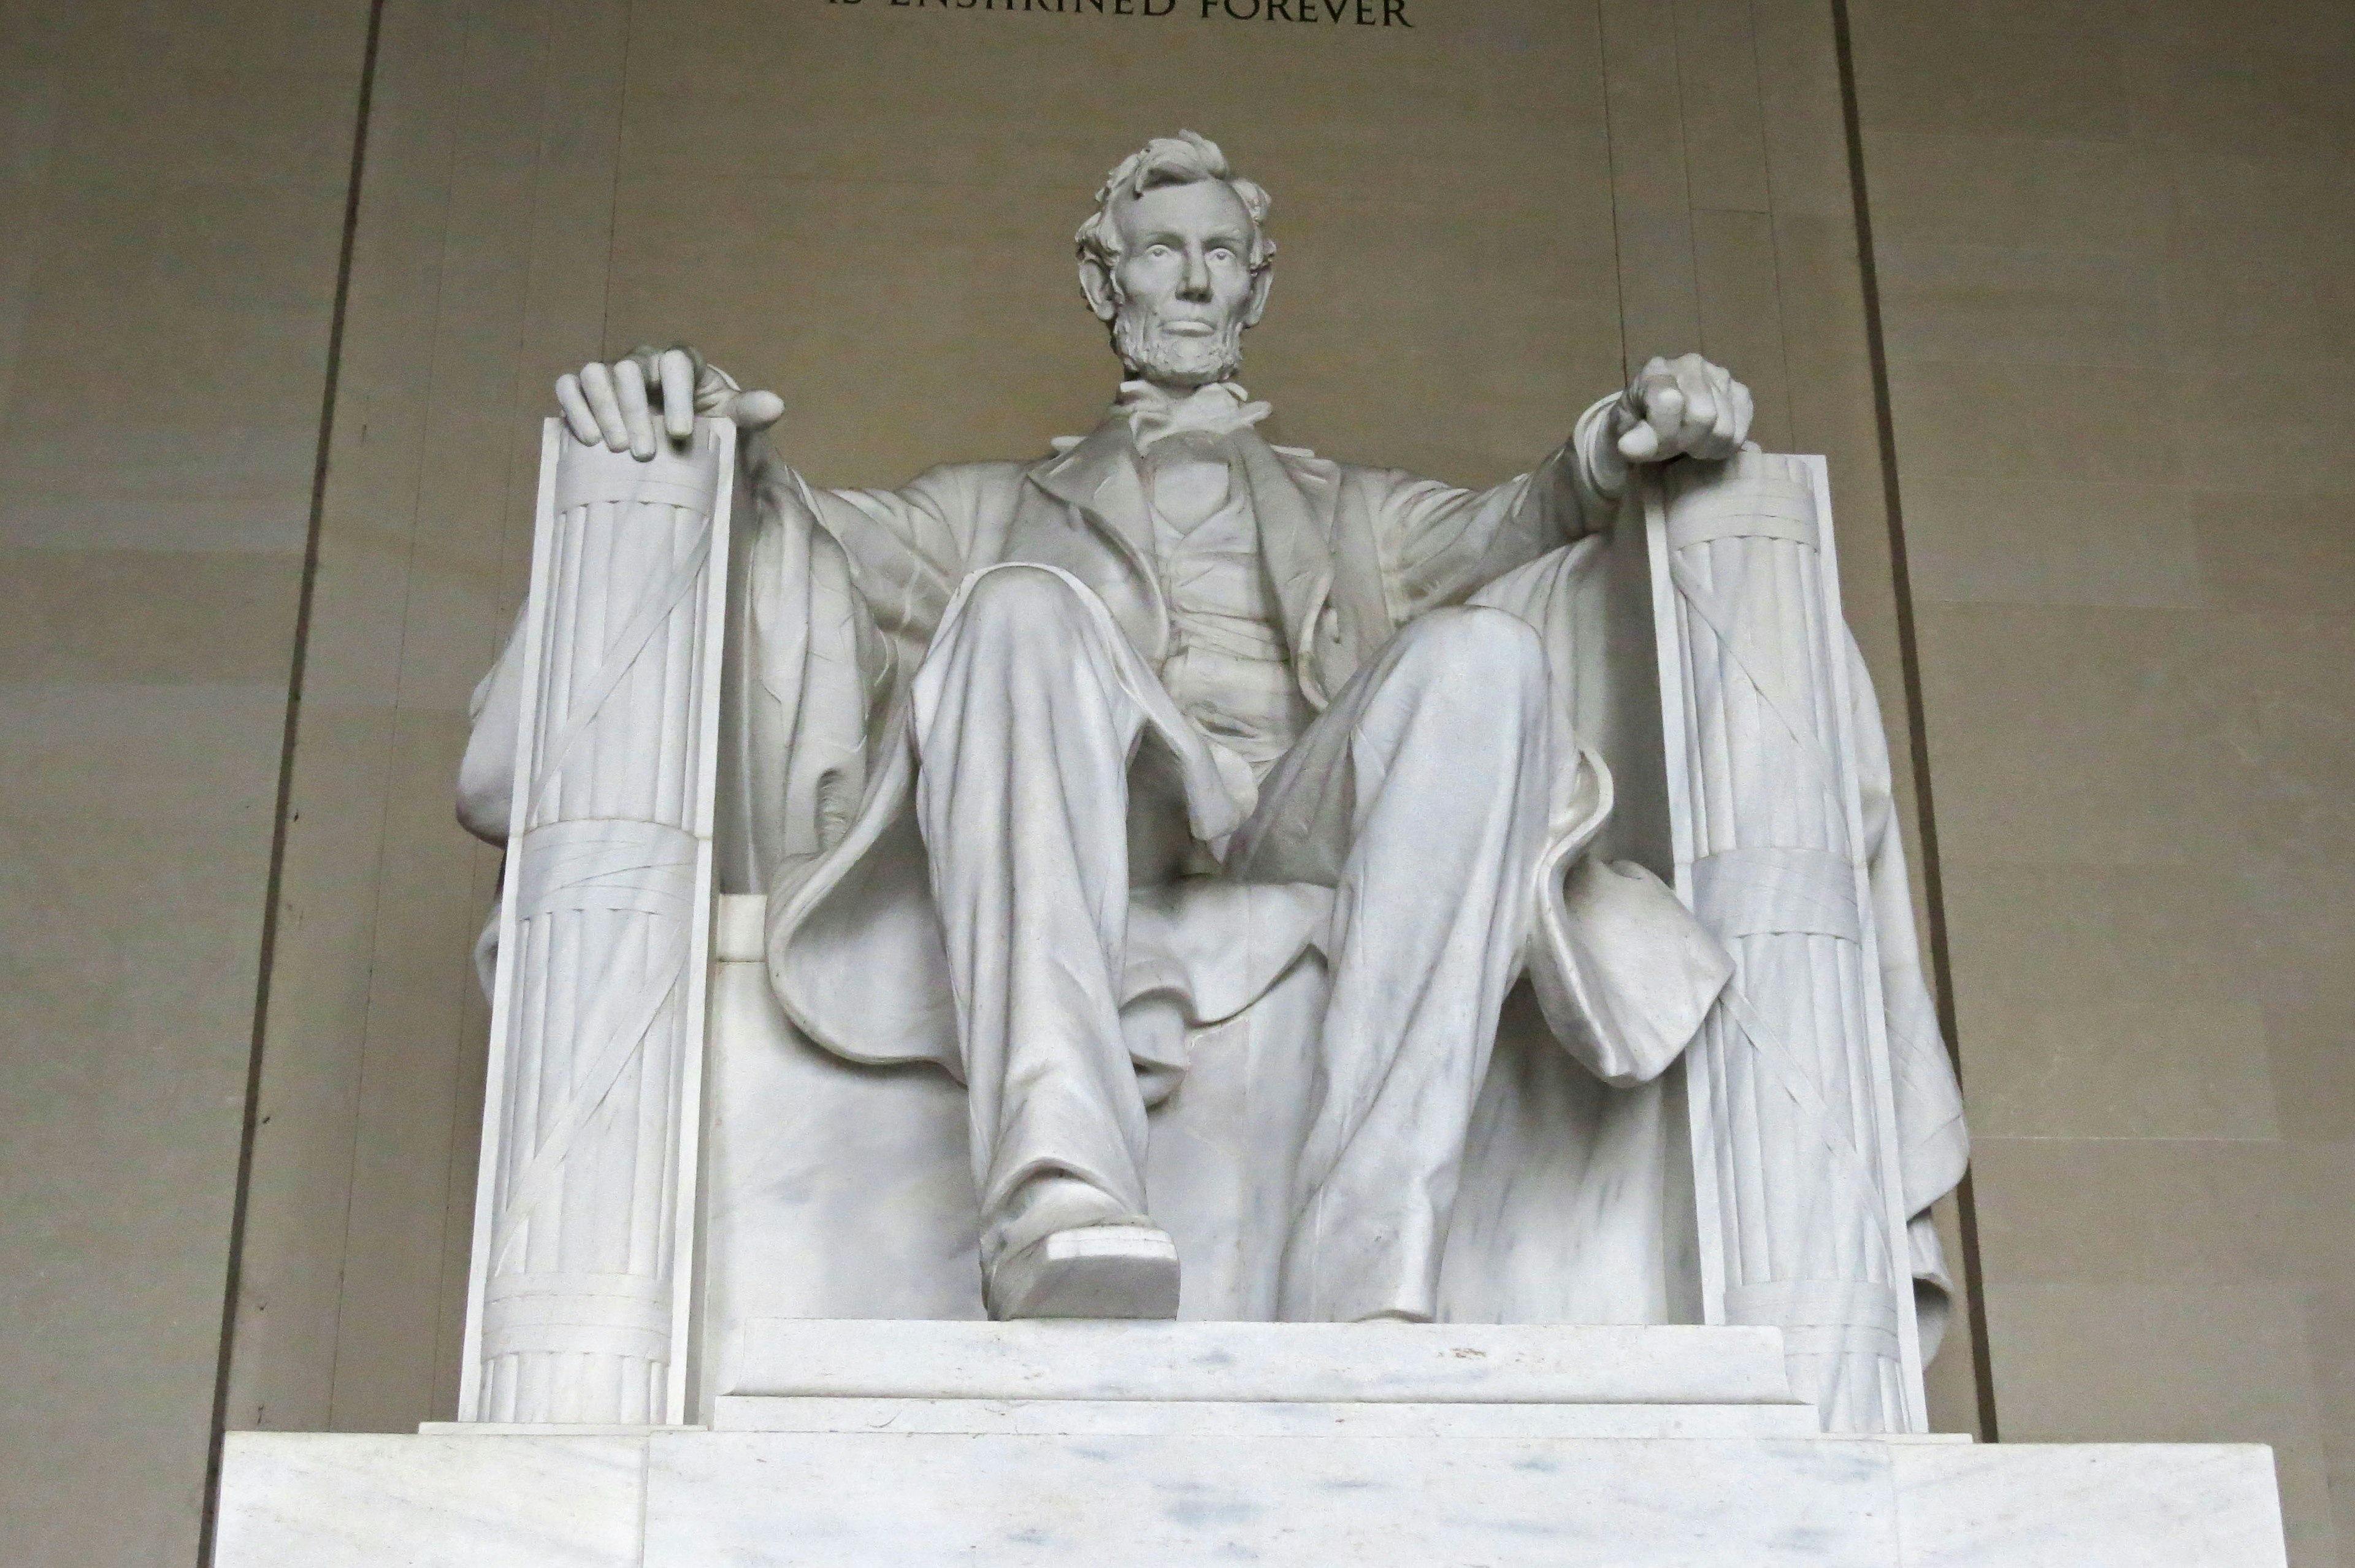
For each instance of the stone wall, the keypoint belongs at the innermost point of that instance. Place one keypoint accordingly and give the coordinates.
(173, 185)
(2109, 249)
(2112, 242)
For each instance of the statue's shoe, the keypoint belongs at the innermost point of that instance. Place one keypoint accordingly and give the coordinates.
(1096, 1271)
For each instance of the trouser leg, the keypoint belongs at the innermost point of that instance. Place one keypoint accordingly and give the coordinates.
(1024, 734)
(1421, 794)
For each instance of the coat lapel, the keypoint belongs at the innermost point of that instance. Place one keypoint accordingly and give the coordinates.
(1295, 499)
(1293, 502)
(1098, 478)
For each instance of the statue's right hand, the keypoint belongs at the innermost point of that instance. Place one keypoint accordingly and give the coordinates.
(616, 404)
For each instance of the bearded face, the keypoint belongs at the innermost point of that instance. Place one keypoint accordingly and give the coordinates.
(1176, 351)
(1183, 289)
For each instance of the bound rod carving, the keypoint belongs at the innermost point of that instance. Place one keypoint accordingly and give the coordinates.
(585, 1206)
(1796, 1170)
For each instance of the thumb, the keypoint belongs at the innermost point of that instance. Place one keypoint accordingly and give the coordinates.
(1664, 411)
(1640, 445)
(754, 412)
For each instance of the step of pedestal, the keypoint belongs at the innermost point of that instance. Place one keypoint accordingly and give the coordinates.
(684, 1498)
(1269, 1363)
(1258, 1418)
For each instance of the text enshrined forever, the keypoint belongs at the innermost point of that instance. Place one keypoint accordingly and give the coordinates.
(1316, 12)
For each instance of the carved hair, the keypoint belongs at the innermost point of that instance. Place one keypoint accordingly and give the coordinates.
(1183, 159)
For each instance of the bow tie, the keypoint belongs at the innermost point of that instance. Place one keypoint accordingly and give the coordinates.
(1153, 413)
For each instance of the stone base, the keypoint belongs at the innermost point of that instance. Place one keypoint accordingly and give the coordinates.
(1038, 1445)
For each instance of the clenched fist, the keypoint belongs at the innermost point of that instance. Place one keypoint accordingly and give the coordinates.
(616, 403)
(1683, 407)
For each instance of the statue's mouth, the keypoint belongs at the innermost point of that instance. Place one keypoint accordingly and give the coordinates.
(1189, 328)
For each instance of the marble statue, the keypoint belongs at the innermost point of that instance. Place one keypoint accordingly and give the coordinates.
(1043, 766)
(1449, 949)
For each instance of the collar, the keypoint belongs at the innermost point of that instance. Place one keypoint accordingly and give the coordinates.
(1152, 414)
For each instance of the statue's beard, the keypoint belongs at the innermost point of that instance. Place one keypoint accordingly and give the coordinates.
(1148, 353)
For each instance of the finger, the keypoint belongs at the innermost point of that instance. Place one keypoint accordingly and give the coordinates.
(1722, 439)
(1701, 418)
(678, 393)
(577, 417)
(1640, 445)
(630, 384)
(597, 383)
(1647, 382)
(714, 390)
(756, 410)
(1664, 411)
(648, 359)
(1744, 408)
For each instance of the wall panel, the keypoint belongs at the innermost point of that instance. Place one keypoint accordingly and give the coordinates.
(2110, 241)
(172, 184)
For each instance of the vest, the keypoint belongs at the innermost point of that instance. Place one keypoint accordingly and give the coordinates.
(1227, 667)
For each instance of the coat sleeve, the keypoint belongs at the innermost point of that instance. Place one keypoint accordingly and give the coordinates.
(903, 552)
(1441, 543)
(486, 772)
(1934, 1146)
(838, 595)
(906, 550)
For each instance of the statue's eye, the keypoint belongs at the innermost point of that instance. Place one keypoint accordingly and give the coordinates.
(1222, 254)
(1157, 253)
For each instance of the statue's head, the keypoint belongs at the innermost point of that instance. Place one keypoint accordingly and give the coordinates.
(1176, 260)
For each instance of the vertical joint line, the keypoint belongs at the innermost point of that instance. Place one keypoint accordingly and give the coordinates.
(233, 1281)
(1909, 661)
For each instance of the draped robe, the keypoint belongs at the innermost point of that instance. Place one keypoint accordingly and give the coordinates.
(1575, 1205)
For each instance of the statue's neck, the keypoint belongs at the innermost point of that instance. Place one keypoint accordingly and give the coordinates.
(1155, 410)
(1171, 394)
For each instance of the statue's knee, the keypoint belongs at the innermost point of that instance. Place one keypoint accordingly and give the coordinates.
(1497, 649)
(1022, 603)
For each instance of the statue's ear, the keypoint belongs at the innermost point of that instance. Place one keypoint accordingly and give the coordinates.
(1261, 283)
(1095, 282)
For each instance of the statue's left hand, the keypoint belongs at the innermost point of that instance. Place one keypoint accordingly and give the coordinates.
(1683, 407)
(652, 393)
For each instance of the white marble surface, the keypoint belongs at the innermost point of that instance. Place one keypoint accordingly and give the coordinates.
(1778, 788)
(601, 740)
(785, 1501)
(1371, 1362)
(982, 1484)
(1255, 1418)
(1182, 576)
(2094, 1505)
(303, 1499)
(832, 1190)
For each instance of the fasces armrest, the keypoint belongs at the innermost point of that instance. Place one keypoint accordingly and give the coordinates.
(1797, 1147)
(607, 703)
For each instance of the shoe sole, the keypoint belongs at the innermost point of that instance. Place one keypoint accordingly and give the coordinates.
(1102, 1270)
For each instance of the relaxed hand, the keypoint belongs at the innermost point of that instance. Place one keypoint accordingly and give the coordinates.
(634, 403)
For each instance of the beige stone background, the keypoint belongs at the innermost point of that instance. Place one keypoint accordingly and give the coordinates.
(2116, 247)
(2108, 252)
(172, 184)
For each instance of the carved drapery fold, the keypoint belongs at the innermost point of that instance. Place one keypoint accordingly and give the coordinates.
(584, 1208)
(1800, 1207)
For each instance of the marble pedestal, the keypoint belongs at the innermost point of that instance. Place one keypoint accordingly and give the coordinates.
(1042, 1445)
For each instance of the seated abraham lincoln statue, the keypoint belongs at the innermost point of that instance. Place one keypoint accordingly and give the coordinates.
(1133, 729)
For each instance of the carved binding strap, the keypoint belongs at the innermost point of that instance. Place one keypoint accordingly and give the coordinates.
(1801, 1218)
(584, 1207)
